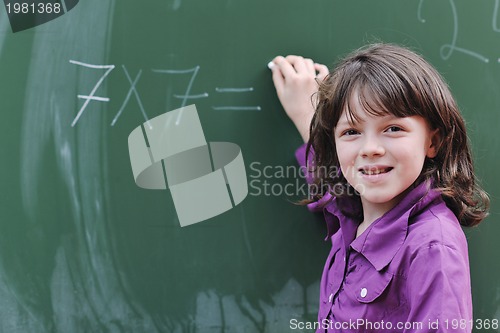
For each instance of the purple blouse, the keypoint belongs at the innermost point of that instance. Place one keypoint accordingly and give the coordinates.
(407, 272)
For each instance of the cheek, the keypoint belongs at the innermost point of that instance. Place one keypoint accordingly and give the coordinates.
(346, 159)
(414, 160)
(343, 155)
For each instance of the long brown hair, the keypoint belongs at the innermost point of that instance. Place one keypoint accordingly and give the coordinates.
(394, 80)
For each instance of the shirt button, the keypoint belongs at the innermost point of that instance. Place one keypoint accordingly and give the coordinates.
(364, 292)
(330, 298)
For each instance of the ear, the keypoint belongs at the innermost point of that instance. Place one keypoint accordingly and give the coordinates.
(435, 143)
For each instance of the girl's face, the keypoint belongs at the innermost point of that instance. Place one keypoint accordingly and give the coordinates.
(381, 156)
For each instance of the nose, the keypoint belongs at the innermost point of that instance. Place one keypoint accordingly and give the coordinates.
(372, 147)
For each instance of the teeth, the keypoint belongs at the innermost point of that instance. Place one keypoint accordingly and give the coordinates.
(374, 172)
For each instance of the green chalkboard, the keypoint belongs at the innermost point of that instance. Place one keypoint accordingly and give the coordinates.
(84, 249)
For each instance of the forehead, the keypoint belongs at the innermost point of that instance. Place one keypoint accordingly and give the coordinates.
(362, 104)
(353, 117)
(363, 118)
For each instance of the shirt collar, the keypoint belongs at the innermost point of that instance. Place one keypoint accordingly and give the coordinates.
(383, 238)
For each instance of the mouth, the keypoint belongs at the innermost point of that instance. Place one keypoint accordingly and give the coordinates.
(375, 170)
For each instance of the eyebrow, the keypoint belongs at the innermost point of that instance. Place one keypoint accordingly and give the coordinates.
(349, 122)
(343, 122)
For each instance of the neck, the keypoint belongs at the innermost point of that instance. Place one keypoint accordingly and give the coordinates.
(372, 211)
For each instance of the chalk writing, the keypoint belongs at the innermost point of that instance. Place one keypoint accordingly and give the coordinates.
(419, 11)
(495, 17)
(91, 96)
(130, 91)
(185, 97)
(228, 90)
(235, 108)
(447, 49)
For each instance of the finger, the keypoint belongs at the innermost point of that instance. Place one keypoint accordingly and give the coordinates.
(278, 79)
(322, 71)
(310, 66)
(285, 68)
(298, 63)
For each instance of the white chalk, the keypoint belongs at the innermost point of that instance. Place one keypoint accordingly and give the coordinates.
(271, 65)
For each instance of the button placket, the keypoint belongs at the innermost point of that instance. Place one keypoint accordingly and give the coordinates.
(333, 296)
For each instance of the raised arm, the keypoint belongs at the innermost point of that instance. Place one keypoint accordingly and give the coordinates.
(296, 81)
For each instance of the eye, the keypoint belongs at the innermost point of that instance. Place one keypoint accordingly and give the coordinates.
(350, 132)
(392, 129)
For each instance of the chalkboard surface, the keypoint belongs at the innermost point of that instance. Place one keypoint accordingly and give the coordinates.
(84, 249)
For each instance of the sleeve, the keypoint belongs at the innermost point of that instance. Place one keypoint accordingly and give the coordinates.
(304, 162)
(332, 223)
(439, 290)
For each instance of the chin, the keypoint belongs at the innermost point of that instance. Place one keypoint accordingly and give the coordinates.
(379, 199)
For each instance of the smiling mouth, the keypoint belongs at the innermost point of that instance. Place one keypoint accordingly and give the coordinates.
(375, 171)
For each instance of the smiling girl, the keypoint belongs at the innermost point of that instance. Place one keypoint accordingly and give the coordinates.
(387, 122)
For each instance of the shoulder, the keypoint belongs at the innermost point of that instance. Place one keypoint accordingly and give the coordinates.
(434, 239)
(435, 225)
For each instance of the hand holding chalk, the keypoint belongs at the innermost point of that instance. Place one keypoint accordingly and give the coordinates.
(296, 81)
